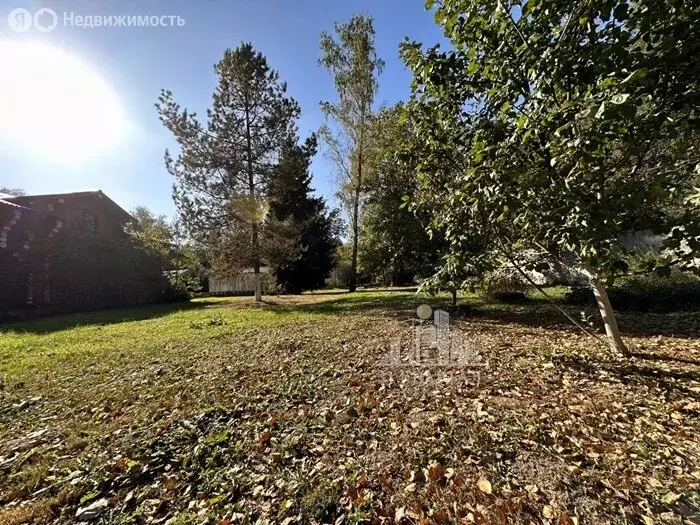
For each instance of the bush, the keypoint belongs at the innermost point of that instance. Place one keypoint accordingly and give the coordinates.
(176, 292)
(504, 285)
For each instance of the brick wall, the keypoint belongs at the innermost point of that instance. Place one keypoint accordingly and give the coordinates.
(47, 267)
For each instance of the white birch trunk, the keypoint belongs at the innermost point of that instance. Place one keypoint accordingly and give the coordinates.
(608, 314)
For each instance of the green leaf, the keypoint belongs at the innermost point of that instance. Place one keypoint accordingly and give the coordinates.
(636, 75)
(529, 7)
(608, 82)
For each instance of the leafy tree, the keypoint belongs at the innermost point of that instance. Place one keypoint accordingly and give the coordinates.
(303, 234)
(340, 275)
(547, 125)
(15, 192)
(167, 241)
(153, 232)
(223, 167)
(351, 58)
(395, 244)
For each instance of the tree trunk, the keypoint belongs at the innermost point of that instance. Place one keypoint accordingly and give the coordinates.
(454, 297)
(256, 266)
(251, 190)
(352, 285)
(608, 314)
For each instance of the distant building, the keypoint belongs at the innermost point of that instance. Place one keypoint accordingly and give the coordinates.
(69, 252)
(241, 283)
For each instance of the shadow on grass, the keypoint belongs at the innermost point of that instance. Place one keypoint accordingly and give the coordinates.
(669, 358)
(398, 304)
(532, 312)
(544, 315)
(57, 323)
(397, 290)
(669, 380)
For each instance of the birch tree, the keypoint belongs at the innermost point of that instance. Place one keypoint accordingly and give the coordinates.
(351, 58)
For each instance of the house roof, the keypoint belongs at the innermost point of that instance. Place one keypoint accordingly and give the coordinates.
(6, 202)
(98, 193)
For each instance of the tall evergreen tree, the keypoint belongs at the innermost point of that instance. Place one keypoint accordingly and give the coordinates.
(303, 233)
(224, 167)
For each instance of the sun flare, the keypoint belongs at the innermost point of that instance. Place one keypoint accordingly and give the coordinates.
(54, 106)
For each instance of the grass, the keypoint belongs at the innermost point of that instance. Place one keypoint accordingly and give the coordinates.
(221, 410)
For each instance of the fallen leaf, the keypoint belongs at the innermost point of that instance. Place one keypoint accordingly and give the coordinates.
(484, 485)
(435, 472)
(670, 497)
(91, 511)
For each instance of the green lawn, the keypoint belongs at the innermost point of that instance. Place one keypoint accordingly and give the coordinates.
(219, 410)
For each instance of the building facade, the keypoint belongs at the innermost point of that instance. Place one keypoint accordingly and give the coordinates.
(64, 253)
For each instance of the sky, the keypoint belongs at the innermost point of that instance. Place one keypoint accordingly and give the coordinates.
(125, 68)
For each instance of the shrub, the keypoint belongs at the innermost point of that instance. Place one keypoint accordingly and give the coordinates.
(505, 285)
(176, 292)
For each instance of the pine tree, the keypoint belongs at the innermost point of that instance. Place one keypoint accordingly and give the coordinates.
(223, 168)
(303, 232)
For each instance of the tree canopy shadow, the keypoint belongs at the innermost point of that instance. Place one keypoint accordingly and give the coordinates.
(669, 358)
(632, 324)
(57, 323)
(373, 290)
(386, 304)
(531, 313)
(629, 372)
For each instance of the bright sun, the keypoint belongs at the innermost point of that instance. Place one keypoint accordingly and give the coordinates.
(54, 106)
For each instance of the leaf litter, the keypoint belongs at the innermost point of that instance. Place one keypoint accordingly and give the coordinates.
(295, 422)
